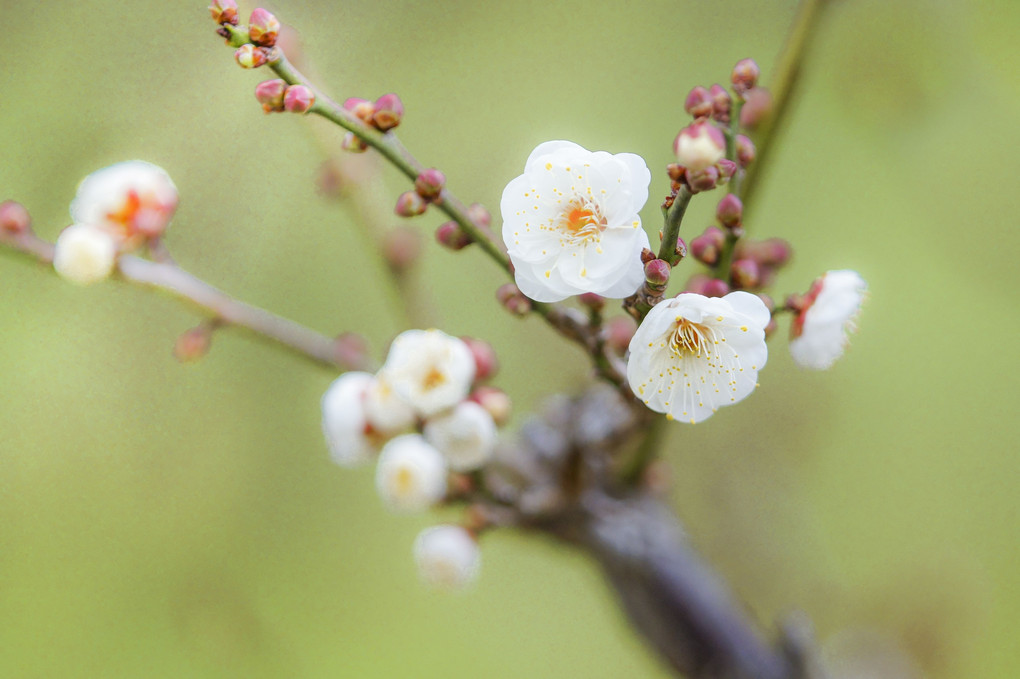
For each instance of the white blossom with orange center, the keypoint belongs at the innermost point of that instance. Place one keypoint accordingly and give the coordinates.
(132, 201)
(571, 222)
(692, 354)
(819, 334)
(430, 370)
(411, 474)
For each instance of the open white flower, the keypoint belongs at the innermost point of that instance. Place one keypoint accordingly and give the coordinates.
(692, 354)
(819, 333)
(132, 200)
(429, 370)
(466, 436)
(411, 475)
(347, 432)
(571, 222)
(447, 556)
(84, 254)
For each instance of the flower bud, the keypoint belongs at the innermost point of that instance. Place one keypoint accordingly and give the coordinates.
(745, 274)
(401, 247)
(729, 211)
(361, 108)
(298, 99)
(647, 255)
(410, 204)
(495, 402)
(681, 249)
(721, 103)
(716, 288)
(703, 180)
(698, 103)
(745, 76)
(479, 214)
(224, 12)
(486, 363)
(270, 93)
(263, 27)
(193, 344)
(447, 557)
(592, 301)
(450, 235)
(707, 246)
(757, 108)
(675, 172)
(250, 56)
(619, 332)
(657, 273)
(511, 297)
(699, 146)
(745, 150)
(14, 218)
(353, 143)
(84, 254)
(727, 168)
(388, 112)
(429, 184)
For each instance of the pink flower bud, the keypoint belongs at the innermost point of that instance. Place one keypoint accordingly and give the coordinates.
(486, 363)
(697, 283)
(224, 11)
(698, 103)
(193, 344)
(707, 246)
(353, 143)
(745, 274)
(270, 93)
(388, 112)
(729, 211)
(429, 183)
(510, 296)
(745, 150)
(363, 109)
(727, 168)
(721, 103)
(479, 215)
(410, 204)
(745, 75)
(592, 301)
(757, 108)
(298, 99)
(495, 402)
(703, 180)
(250, 56)
(401, 248)
(14, 218)
(657, 273)
(716, 288)
(619, 331)
(675, 171)
(699, 146)
(450, 235)
(263, 27)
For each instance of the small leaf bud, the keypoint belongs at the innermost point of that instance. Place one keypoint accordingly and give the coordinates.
(745, 150)
(721, 103)
(14, 218)
(450, 235)
(363, 109)
(429, 184)
(647, 255)
(250, 56)
(479, 214)
(757, 108)
(510, 296)
(486, 363)
(657, 273)
(389, 110)
(353, 143)
(745, 76)
(298, 99)
(698, 103)
(745, 274)
(224, 12)
(410, 204)
(263, 27)
(270, 93)
(729, 211)
(699, 146)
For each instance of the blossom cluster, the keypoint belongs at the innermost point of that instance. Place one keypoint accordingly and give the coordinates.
(116, 209)
(422, 416)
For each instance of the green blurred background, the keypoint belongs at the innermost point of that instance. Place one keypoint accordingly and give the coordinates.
(165, 520)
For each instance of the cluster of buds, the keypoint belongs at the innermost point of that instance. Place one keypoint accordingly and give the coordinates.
(383, 114)
(277, 96)
(263, 30)
(428, 188)
(429, 421)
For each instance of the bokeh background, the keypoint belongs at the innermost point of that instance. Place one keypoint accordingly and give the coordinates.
(168, 520)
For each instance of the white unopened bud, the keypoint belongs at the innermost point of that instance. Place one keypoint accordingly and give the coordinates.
(84, 254)
(447, 557)
(465, 435)
(411, 475)
(699, 145)
(343, 419)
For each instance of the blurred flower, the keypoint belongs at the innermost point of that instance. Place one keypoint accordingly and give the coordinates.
(447, 556)
(132, 201)
(384, 409)
(84, 254)
(344, 423)
(826, 314)
(411, 474)
(465, 436)
(571, 223)
(693, 354)
(429, 369)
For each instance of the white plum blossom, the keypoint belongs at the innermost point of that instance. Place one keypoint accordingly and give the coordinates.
(819, 331)
(411, 474)
(384, 409)
(692, 354)
(571, 222)
(132, 201)
(347, 431)
(466, 435)
(430, 370)
(84, 254)
(447, 556)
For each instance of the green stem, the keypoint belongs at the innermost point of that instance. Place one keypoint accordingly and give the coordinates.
(671, 225)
